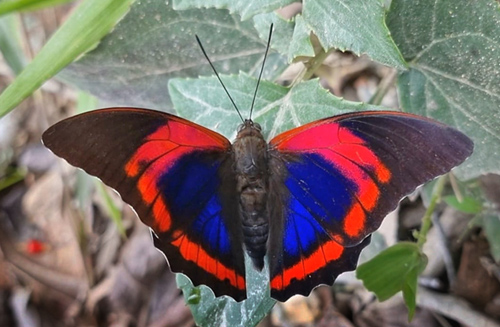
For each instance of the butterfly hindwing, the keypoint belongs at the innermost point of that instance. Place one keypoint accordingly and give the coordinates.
(342, 176)
(177, 176)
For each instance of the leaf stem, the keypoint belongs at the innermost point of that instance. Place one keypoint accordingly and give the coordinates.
(426, 220)
(114, 212)
(383, 87)
(313, 65)
(455, 188)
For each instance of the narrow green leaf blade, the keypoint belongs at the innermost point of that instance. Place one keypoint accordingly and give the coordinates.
(8, 6)
(358, 26)
(10, 44)
(467, 204)
(491, 227)
(244, 8)
(84, 28)
(410, 290)
(11, 177)
(113, 211)
(453, 49)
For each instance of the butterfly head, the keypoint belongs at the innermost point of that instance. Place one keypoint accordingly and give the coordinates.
(249, 127)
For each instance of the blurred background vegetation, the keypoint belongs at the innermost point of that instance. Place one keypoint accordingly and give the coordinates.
(72, 254)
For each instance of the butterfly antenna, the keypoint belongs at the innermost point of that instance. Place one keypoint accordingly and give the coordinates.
(261, 69)
(217, 74)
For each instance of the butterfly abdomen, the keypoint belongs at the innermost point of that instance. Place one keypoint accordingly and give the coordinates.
(251, 168)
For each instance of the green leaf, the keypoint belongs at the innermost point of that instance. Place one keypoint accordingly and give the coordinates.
(467, 204)
(277, 108)
(453, 49)
(393, 270)
(111, 208)
(84, 182)
(377, 244)
(84, 187)
(133, 64)
(300, 45)
(290, 38)
(244, 8)
(358, 26)
(204, 101)
(491, 227)
(84, 28)
(410, 289)
(208, 310)
(10, 43)
(282, 31)
(8, 6)
(85, 102)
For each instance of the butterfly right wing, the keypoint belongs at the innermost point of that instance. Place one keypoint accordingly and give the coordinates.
(343, 175)
(176, 175)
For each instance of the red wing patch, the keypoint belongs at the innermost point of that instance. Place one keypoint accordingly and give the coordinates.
(331, 184)
(322, 256)
(169, 170)
(344, 174)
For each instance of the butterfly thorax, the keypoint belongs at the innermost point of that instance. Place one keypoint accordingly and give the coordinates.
(251, 168)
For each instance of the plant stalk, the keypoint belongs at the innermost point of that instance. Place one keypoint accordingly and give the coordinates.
(383, 87)
(426, 220)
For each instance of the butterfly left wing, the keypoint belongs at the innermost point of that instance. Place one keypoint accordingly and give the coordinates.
(176, 175)
(343, 175)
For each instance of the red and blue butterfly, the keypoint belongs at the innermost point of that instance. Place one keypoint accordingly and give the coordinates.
(308, 199)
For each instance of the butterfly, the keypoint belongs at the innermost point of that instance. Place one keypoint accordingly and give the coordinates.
(308, 199)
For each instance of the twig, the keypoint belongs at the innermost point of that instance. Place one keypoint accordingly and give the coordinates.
(445, 247)
(426, 220)
(456, 189)
(383, 87)
(453, 307)
(314, 64)
(68, 285)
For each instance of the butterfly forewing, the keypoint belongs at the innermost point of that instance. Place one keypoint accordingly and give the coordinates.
(176, 175)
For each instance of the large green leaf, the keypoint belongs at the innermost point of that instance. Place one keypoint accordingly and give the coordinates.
(224, 311)
(393, 270)
(277, 108)
(300, 45)
(154, 43)
(453, 48)
(203, 100)
(358, 26)
(84, 28)
(244, 8)
(291, 38)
